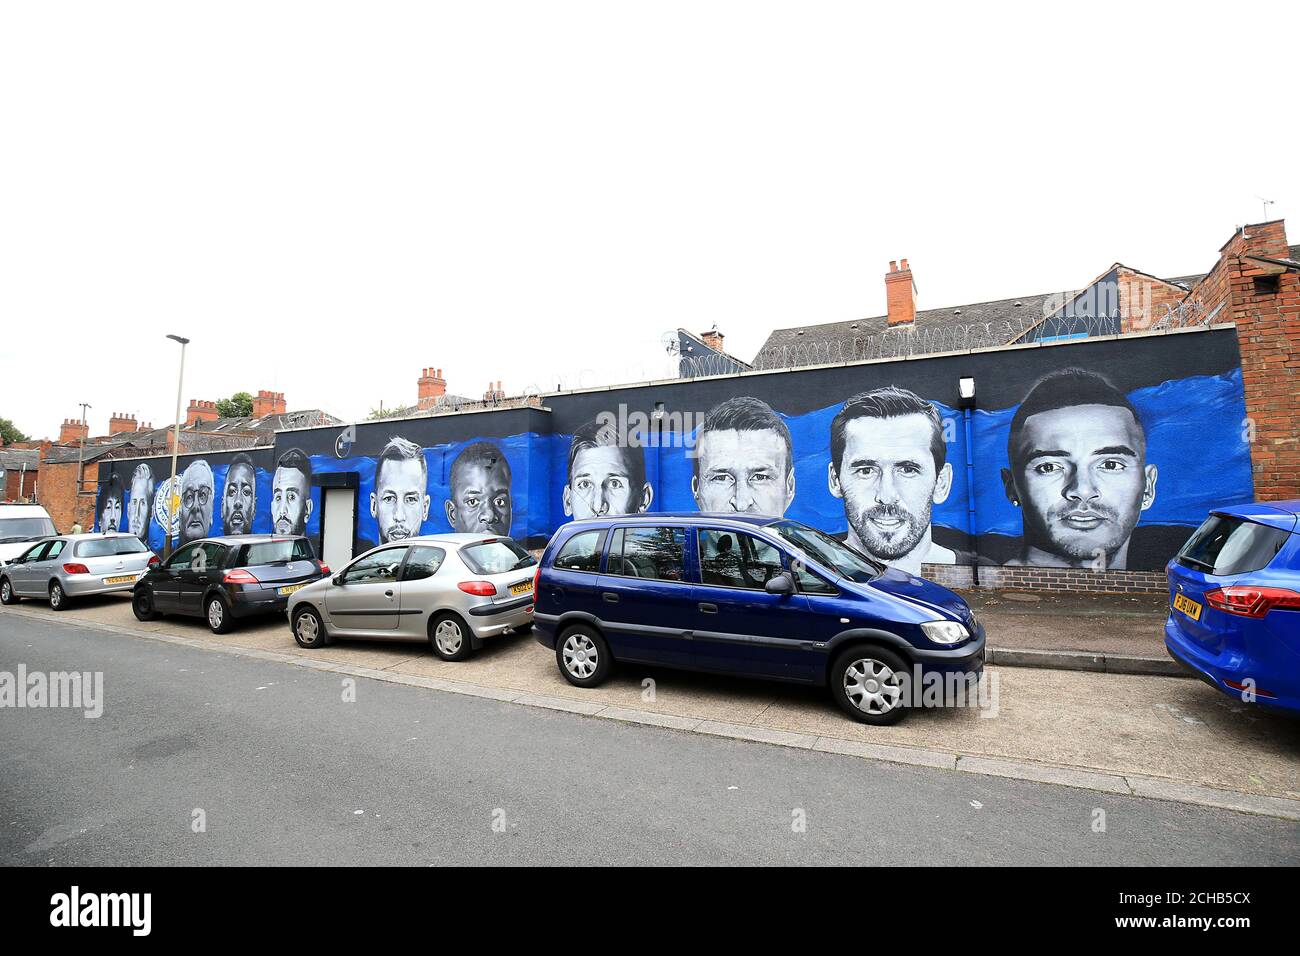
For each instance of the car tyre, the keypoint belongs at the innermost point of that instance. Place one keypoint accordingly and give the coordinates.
(308, 628)
(867, 682)
(583, 656)
(58, 597)
(217, 613)
(7, 593)
(142, 606)
(450, 637)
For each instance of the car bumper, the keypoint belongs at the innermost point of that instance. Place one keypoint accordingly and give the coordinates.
(1276, 678)
(493, 620)
(254, 601)
(84, 585)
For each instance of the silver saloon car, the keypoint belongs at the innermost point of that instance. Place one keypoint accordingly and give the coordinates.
(75, 565)
(452, 590)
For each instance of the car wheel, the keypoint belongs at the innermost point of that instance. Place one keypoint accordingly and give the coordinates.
(218, 614)
(449, 637)
(583, 656)
(308, 628)
(58, 597)
(7, 593)
(868, 683)
(142, 606)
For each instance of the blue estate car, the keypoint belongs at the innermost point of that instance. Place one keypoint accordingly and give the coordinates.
(1234, 603)
(751, 596)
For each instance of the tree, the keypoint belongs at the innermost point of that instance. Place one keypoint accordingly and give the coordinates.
(400, 411)
(239, 405)
(9, 433)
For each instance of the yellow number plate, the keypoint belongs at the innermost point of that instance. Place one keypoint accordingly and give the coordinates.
(523, 587)
(120, 580)
(291, 588)
(1187, 606)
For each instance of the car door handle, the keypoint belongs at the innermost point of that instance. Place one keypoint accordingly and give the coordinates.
(609, 598)
(388, 594)
(709, 608)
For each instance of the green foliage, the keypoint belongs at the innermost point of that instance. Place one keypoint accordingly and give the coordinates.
(239, 405)
(399, 411)
(9, 433)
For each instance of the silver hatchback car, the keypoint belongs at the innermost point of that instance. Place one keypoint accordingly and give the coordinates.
(453, 590)
(75, 565)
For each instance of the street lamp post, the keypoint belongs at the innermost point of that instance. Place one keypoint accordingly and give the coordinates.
(176, 445)
(81, 466)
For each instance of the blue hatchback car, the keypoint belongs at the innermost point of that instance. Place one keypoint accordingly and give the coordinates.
(751, 596)
(1234, 603)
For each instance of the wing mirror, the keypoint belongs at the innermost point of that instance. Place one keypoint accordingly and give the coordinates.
(779, 584)
(337, 580)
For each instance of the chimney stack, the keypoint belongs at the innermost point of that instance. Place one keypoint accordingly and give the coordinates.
(201, 411)
(900, 295)
(268, 403)
(72, 431)
(120, 423)
(712, 338)
(493, 394)
(430, 387)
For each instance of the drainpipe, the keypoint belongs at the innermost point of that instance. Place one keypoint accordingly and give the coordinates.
(970, 501)
(966, 397)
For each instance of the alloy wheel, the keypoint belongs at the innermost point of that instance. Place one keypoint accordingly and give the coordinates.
(580, 656)
(448, 637)
(871, 686)
(215, 613)
(307, 628)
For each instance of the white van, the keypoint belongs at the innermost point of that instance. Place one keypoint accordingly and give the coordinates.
(20, 525)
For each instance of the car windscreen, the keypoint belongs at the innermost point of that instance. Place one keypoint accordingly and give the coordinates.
(496, 556)
(1227, 545)
(110, 547)
(25, 529)
(275, 552)
(831, 552)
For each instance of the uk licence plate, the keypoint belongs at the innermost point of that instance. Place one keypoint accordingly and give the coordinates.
(523, 587)
(1187, 606)
(120, 579)
(289, 589)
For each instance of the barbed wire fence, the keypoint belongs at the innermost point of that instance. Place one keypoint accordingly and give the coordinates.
(908, 342)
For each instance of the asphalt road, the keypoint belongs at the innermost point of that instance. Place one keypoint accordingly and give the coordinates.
(285, 771)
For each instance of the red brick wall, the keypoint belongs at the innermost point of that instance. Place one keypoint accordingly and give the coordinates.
(1268, 330)
(59, 495)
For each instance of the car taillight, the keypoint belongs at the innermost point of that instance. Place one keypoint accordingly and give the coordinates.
(1249, 601)
(154, 561)
(75, 569)
(537, 581)
(481, 588)
(239, 576)
(324, 568)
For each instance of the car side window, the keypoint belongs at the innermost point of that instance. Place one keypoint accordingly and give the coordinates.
(423, 562)
(35, 553)
(182, 557)
(810, 583)
(655, 553)
(56, 548)
(379, 566)
(733, 559)
(214, 555)
(580, 553)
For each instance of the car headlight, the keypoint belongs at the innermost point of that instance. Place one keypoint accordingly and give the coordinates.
(945, 632)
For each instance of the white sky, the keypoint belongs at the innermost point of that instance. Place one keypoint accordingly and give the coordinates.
(327, 197)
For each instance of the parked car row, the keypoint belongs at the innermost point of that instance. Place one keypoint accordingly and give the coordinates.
(728, 594)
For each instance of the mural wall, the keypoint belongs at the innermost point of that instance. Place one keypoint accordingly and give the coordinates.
(1101, 455)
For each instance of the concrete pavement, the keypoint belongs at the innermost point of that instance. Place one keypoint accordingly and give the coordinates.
(284, 770)
(1151, 735)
